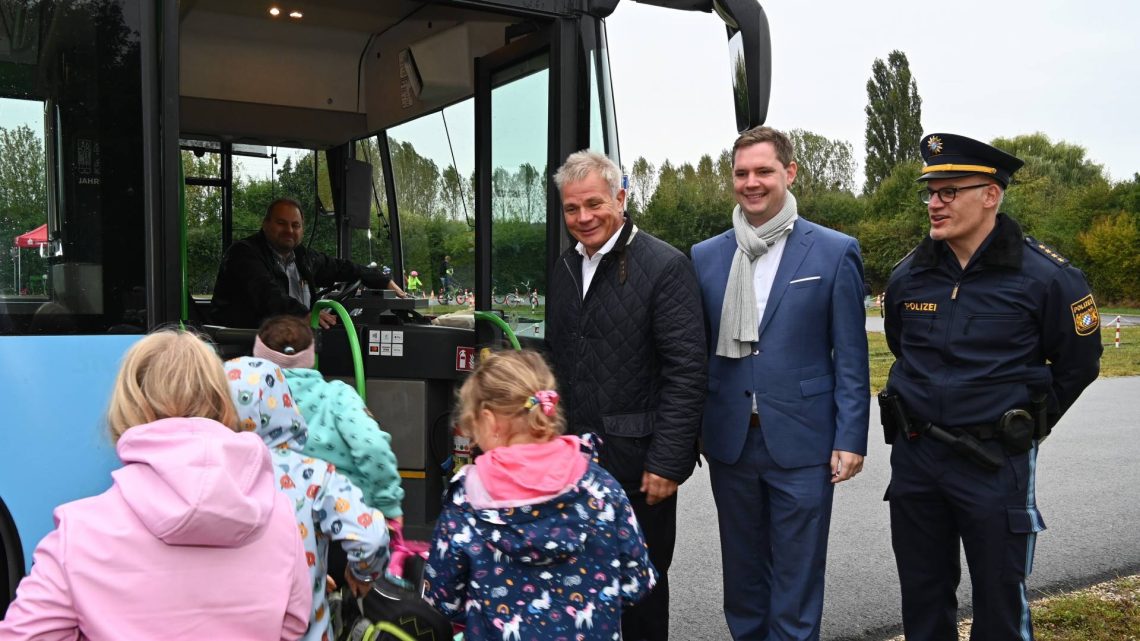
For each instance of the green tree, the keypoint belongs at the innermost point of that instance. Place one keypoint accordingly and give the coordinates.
(1058, 193)
(894, 223)
(823, 164)
(1112, 245)
(894, 118)
(203, 222)
(690, 203)
(23, 201)
(839, 210)
(642, 184)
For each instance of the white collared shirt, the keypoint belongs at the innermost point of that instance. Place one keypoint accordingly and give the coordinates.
(590, 263)
(764, 274)
(298, 288)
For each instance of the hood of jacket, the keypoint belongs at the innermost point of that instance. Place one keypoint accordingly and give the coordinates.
(539, 534)
(265, 403)
(193, 481)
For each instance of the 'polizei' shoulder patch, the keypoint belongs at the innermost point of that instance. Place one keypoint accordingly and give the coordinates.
(1046, 250)
(1085, 317)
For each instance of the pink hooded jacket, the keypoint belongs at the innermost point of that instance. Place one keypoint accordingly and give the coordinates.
(192, 541)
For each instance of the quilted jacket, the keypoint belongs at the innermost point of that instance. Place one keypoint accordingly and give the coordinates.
(630, 358)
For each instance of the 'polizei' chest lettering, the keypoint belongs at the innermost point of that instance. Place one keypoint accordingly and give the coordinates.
(920, 307)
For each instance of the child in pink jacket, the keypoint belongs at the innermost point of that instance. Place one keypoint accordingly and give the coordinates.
(192, 541)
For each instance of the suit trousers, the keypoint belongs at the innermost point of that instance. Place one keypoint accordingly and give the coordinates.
(938, 499)
(649, 619)
(773, 535)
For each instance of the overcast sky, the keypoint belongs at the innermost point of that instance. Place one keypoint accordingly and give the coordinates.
(984, 69)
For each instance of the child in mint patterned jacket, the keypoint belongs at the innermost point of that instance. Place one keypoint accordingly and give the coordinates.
(536, 541)
(327, 505)
(341, 429)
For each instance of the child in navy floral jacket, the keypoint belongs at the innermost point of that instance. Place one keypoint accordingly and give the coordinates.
(536, 540)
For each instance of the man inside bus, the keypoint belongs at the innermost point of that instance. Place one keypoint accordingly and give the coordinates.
(272, 273)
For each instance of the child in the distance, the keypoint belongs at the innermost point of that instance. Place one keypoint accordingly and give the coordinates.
(535, 540)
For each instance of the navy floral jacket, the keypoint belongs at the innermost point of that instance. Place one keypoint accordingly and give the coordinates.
(562, 569)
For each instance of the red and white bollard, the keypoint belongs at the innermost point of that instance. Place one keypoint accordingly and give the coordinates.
(1117, 343)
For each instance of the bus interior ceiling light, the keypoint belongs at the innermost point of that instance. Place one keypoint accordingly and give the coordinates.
(296, 14)
(274, 11)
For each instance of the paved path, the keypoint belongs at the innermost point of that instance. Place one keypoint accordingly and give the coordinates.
(1088, 480)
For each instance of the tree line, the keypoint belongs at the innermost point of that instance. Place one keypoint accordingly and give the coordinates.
(1060, 197)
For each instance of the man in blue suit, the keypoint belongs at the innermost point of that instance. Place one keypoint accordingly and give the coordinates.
(786, 415)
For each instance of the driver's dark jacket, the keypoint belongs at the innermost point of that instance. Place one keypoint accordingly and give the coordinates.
(972, 343)
(252, 285)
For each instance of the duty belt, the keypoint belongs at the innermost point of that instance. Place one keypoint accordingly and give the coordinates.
(982, 432)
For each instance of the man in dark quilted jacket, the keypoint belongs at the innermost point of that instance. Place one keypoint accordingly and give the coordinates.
(626, 333)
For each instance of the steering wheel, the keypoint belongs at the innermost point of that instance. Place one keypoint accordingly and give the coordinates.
(339, 291)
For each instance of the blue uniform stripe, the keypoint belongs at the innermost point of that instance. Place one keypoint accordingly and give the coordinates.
(1030, 540)
(1025, 627)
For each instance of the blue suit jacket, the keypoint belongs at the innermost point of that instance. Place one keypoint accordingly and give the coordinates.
(809, 368)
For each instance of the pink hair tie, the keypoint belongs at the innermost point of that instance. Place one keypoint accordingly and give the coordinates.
(546, 399)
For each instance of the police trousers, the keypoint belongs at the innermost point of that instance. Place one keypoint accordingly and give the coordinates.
(937, 499)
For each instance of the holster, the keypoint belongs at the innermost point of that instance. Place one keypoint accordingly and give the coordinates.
(1016, 430)
(892, 414)
(965, 445)
(1039, 407)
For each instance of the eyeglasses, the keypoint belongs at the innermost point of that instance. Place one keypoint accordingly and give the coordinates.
(946, 194)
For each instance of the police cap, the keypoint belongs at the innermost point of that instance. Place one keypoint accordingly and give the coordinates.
(951, 156)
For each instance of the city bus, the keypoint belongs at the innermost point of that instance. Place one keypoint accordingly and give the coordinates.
(410, 130)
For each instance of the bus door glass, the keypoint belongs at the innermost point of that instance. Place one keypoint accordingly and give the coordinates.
(518, 194)
(71, 169)
(433, 160)
(203, 196)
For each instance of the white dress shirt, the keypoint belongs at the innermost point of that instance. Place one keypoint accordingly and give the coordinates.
(764, 274)
(590, 263)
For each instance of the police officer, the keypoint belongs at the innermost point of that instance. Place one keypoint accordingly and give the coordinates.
(995, 335)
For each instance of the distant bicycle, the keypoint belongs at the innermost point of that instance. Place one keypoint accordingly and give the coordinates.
(510, 299)
(454, 294)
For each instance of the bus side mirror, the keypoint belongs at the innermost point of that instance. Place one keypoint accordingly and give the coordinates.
(750, 59)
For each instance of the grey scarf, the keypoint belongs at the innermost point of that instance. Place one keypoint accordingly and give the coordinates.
(739, 325)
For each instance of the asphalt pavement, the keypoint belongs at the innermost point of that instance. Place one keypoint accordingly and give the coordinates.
(1087, 480)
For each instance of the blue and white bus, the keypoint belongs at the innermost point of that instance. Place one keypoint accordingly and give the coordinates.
(128, 133)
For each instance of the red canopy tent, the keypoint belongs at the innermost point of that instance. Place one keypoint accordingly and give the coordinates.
(38, 237)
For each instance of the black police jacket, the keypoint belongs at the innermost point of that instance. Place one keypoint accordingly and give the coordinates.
(252, 285)
(972, 343)
(630, 358)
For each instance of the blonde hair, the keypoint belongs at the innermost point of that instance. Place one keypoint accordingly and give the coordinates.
(170, 373)
(503, 383)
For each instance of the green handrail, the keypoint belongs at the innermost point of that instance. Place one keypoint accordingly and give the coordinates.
(353, 341)
(501, 324)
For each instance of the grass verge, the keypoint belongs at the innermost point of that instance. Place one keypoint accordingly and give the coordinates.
(1106, 313)
(1116, 361)
(1108, 611)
